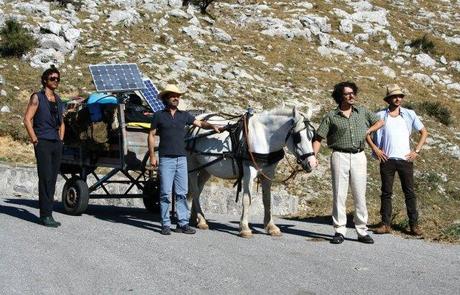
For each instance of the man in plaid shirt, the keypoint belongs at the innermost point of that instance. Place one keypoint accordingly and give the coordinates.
(345, 129)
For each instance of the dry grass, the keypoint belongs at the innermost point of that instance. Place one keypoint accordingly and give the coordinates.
(16, 152)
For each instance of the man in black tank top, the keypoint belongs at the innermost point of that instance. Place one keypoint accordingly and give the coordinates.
(45, 125)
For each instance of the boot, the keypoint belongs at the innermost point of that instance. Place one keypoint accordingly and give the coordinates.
(382, 229)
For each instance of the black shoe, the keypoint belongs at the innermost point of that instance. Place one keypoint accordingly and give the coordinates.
(57, 222)
(165, 230)
(49, 221)
(186, 229)
(366, 239)
(337, 239)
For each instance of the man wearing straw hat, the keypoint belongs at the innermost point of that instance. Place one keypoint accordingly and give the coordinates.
(391, 146)
(170, 124)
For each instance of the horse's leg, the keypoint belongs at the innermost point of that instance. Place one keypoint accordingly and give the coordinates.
(203, 177)
(196, 184)
(269, 225)
(250, 174)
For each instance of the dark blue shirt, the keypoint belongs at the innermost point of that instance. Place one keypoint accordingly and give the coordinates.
(171, 131)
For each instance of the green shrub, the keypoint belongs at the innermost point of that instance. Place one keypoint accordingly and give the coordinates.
(423, 44)
(204, 4)
(16, 40)
(452, 232)
(437, 110)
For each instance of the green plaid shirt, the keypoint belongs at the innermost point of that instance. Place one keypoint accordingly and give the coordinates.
(346, 133)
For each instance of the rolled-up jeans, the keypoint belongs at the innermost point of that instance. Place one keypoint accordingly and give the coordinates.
(173, 171)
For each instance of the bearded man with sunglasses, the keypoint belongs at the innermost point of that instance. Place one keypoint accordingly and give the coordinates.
(44, 123)
(346, 128)
(391, 146)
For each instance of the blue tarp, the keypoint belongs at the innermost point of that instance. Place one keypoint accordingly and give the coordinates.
(95, 100)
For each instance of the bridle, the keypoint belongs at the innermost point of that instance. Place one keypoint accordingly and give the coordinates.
(296, 138)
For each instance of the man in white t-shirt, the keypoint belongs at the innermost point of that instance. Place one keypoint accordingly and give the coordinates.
(391, 146)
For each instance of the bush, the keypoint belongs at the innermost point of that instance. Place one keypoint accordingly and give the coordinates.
(437, 110)
(16, 40)
(204, 4)
(423, 44)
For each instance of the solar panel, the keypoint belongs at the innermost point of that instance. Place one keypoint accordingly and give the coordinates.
(150, 94)
(116, 77)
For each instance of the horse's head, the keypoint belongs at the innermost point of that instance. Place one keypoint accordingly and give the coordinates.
(299, 140)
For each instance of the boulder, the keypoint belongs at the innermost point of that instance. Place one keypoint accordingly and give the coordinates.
(44, 58)
(387, 71)
(51, 27)
(346, 26)
(47, 41)
(179, 13)
(454, 86)
(425, 79)
(425, 60)
(5, 109)
(194, 32)
(315, 24)
(127, 17)
(35, 7)
(72, 35)
(175, 3)
(221, 35)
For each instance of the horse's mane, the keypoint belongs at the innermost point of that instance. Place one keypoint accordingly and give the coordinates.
(277, 112)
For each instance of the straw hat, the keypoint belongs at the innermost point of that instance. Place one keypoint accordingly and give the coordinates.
(393, 89)
(171, 88)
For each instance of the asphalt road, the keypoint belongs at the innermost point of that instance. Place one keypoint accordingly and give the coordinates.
(114, 250)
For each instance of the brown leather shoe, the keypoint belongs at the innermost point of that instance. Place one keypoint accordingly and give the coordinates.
(415, 230)
(382, 229)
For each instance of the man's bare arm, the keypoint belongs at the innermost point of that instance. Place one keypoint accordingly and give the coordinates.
(31, 109)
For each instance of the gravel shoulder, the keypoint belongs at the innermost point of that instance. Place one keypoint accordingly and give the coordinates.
(117, 250)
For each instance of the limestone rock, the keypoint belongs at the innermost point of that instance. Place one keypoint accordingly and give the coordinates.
(425, 60)
(221, 35)
(425, 79)
(346, 26)
(44, 58)
(35, 7)
(127, 17)
(388, 72)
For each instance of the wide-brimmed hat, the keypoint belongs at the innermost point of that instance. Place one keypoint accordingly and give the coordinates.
(170, 88)
(393, 89)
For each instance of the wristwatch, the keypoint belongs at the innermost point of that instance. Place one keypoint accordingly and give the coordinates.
(417, 151)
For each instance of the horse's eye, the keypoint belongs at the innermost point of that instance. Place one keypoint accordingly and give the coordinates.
(296, 137)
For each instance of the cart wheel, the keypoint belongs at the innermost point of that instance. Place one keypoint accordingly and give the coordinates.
(75, 196)
(152, 201)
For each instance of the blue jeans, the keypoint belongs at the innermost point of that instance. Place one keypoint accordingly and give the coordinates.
(173, 170)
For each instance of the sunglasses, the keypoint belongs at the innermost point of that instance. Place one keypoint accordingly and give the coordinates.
(52, 79)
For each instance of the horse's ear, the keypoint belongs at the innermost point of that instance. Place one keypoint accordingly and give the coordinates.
(295, 112)
(309, 113)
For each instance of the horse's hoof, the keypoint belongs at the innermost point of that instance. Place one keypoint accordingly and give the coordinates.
(273, 231)
(246, 234)
(203, 226)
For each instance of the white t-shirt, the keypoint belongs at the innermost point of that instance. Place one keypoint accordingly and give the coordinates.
(395, 138)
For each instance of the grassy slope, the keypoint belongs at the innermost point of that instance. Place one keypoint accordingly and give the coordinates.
(438, 198)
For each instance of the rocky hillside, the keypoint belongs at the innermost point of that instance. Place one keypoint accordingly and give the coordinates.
(262, 54)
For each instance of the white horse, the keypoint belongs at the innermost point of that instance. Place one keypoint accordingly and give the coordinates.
(265, 135)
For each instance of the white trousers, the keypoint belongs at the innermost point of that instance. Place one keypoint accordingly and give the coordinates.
(349, 170)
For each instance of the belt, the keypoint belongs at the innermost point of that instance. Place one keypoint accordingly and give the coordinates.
(348, 151)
